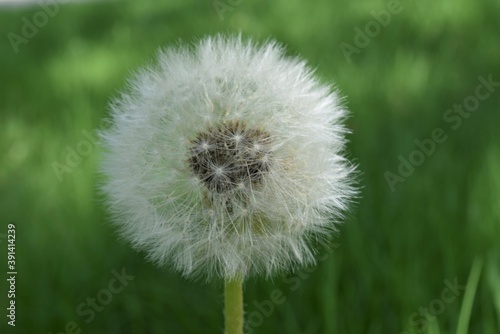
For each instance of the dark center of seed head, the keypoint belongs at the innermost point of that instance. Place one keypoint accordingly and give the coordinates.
(230, 157)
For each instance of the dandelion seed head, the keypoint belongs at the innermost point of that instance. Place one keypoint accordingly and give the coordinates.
(225, 159)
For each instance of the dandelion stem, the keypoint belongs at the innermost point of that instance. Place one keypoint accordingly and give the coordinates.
(233, 299)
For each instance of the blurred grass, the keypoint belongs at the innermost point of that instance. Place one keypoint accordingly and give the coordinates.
(396, 248)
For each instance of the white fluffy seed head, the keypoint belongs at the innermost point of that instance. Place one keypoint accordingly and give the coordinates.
(225, 159)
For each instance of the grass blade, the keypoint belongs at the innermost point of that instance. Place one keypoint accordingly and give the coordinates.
(470, 293)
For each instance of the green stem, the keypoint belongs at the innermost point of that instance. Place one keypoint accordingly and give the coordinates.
(233, 299)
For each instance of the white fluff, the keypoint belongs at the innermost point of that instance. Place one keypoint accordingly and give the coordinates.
(302, 182)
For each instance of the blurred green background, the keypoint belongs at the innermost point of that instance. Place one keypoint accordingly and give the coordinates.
(399, 248)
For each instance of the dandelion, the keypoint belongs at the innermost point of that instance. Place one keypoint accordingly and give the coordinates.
(224, 160)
